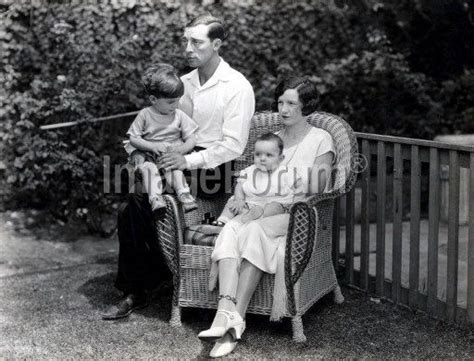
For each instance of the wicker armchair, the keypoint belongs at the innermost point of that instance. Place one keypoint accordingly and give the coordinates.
(309, 271)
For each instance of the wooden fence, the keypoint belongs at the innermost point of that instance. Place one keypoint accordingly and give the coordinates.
(388, 236)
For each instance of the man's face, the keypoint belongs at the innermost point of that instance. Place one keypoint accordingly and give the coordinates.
(199, 49)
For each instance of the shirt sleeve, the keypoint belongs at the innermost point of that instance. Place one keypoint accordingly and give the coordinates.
(326, 145)
(138, 126)
(186, 124)
(235, 131)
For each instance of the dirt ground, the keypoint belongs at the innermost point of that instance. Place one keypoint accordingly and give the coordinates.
(55, 281)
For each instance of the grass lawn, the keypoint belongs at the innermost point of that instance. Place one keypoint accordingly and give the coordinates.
(52, 294)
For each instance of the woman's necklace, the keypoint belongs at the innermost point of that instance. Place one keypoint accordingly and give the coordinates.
(300, 138)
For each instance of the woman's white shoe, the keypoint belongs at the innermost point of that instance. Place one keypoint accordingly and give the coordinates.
(223, 347)
(234, 324)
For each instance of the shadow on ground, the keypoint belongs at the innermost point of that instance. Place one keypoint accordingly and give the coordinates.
(100, 291)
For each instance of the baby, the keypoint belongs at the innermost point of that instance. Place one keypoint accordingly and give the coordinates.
(161, 128)
(265, 188)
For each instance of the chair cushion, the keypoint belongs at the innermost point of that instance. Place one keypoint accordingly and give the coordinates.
(201, 234)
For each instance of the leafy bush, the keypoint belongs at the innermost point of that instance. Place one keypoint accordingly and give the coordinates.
(77, 61)
(378, 94)
(436, 36)
(457, 97)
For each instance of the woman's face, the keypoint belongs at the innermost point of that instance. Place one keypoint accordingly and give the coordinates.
(289, 108)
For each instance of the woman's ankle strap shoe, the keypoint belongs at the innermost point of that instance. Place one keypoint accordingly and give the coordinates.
(237, 331)
(234, 324)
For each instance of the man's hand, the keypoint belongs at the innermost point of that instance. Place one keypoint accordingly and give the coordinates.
(172, 161)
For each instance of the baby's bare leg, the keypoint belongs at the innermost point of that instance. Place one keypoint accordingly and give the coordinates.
(272, 209)
(255, 212)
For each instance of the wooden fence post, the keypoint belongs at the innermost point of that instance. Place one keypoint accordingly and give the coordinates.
(470, 261)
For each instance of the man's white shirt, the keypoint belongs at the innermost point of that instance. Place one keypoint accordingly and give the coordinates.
(223, 108)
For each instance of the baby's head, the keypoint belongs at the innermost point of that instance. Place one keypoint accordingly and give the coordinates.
(163, 87)
(268, 152)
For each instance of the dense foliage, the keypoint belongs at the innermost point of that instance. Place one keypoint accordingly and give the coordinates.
(81, 60)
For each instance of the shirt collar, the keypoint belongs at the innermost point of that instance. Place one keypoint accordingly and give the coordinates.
(222, 73)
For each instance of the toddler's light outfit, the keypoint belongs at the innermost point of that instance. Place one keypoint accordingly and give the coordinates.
(154, 127)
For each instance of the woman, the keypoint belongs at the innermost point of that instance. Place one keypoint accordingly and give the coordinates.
(243, 252)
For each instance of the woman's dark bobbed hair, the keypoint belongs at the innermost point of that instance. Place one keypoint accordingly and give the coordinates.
(307, 93)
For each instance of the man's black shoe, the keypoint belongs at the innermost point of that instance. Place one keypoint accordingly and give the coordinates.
(125, 307)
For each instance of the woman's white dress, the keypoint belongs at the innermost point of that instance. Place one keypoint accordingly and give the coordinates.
(262, 242)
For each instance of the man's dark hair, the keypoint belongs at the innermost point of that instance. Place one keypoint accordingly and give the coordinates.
(272, 137)
(161, 81)
(306, 89)
(216, 27)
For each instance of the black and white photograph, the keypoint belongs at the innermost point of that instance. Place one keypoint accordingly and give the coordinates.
(224, 179)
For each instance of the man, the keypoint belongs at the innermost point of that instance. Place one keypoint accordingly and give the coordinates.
(221, 101)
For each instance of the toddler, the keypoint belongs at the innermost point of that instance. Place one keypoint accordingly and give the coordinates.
(160, 128)
(265, 188)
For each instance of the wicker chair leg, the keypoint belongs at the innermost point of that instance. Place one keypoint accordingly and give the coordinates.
(338, 297)
(298, 330)
(175, 320)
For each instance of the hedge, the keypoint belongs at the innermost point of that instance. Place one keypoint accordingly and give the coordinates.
(81, 60)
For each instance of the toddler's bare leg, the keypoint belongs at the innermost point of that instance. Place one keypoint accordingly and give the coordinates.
(151, 179)
(177, 181)
(273, 208)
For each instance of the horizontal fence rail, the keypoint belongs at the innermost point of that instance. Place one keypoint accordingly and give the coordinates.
(406, 231)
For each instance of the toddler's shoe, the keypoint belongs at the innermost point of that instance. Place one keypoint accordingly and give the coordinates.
(188, 201)
(157, 203)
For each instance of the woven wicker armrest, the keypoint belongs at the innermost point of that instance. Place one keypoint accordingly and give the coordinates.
(317, 198)
(299, 246)
(170, 229)
(170, 233)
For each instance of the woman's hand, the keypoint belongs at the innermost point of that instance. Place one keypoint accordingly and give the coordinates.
(236, 206)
